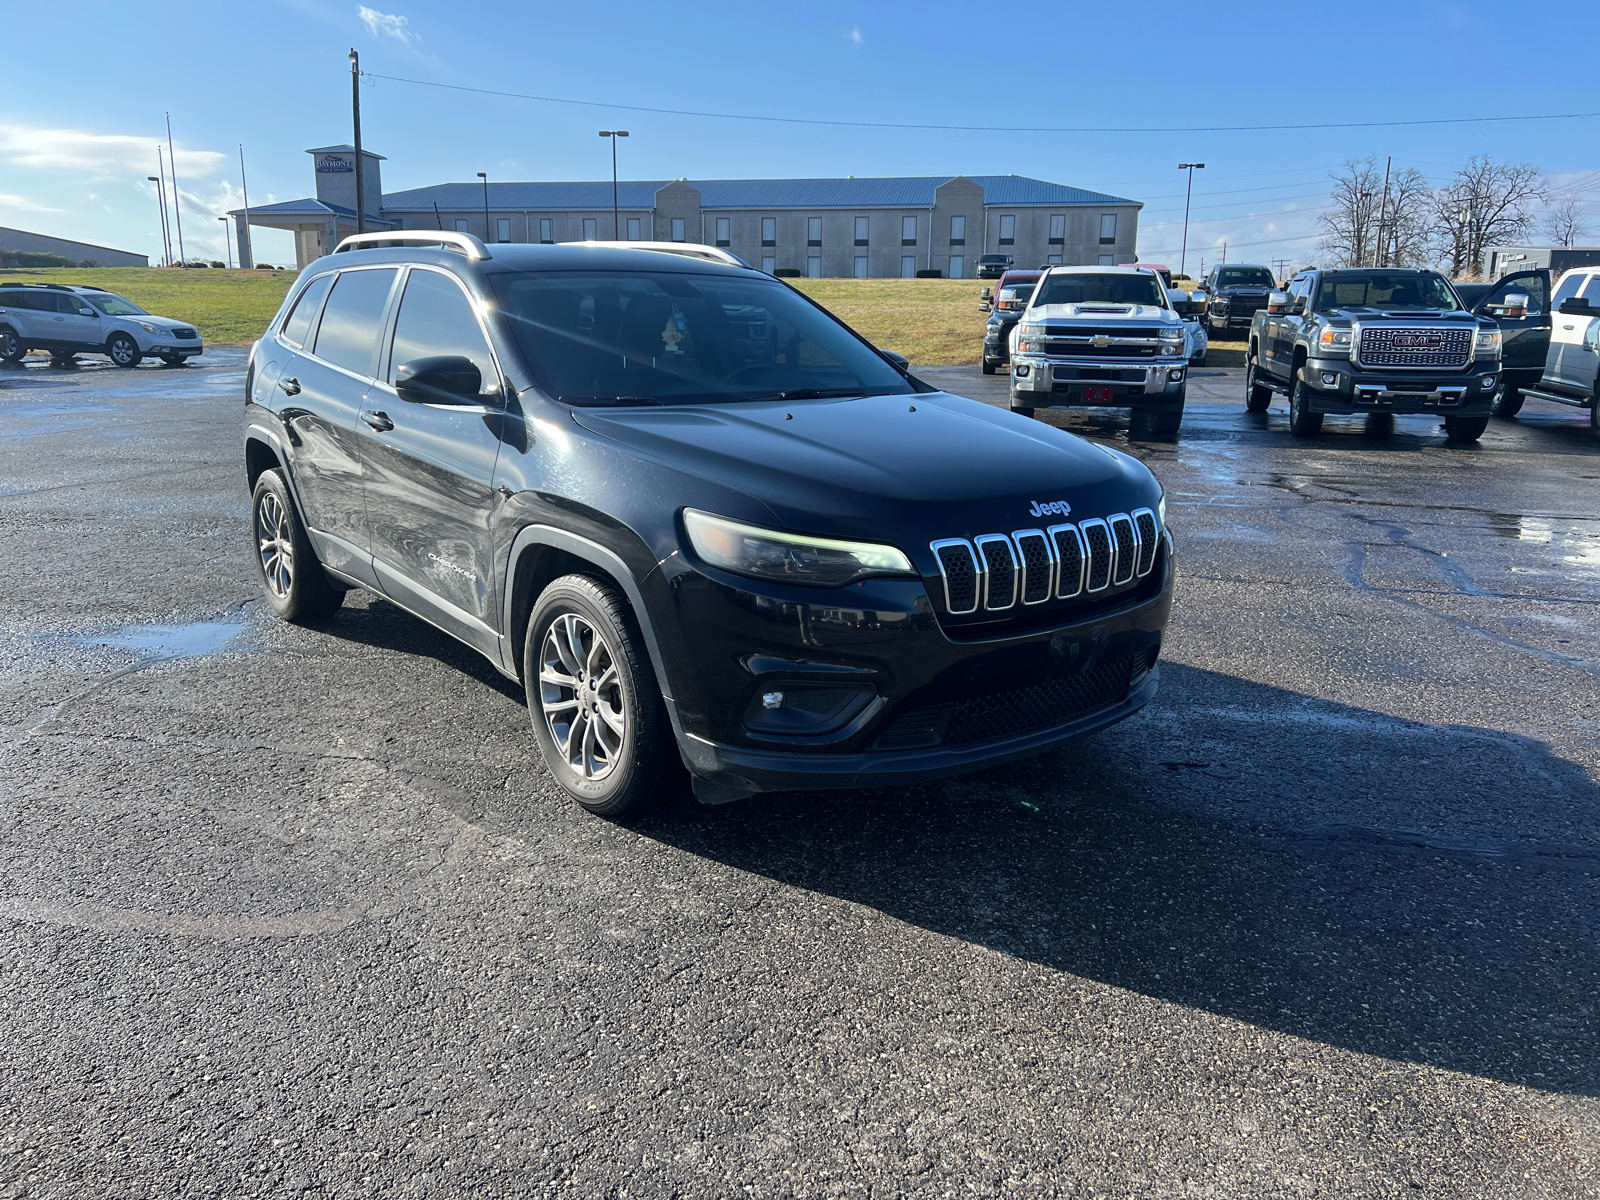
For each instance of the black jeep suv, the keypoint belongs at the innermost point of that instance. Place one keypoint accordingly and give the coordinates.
(697, 516)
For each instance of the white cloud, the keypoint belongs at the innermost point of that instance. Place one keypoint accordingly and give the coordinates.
(854, 38)
(10, 202)
(101, 153)
(381, 25)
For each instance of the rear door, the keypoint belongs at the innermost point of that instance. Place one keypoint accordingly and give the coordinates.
(78, 325)
(429, 467)
(1524, 340)
(1580, 363)
(1566, 329)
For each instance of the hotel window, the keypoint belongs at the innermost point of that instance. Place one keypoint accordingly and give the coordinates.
(502, 229)
(958, 232)
(1108, 228)
(908, 231)
(1054, 260)
(814, 267)
(547, 230)
(861, 266)
(908, 266)
(769, 231)
(813, 231)
(677, 229)
(724, 231)
(769, 265)
(634, 228)
(1058, 229)
(461, 225)
(1108, 260)
(1008, 231)
(861, 232)
(589, 229)
(958, 266)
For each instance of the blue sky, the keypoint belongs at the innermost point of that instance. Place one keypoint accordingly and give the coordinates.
(83, 114)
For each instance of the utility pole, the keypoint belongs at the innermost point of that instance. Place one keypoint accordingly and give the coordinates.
(355, 116)
(616, 224)
(177, 204)
(1191, 168)
(1382, 250)
(484, 175)
(161, 195)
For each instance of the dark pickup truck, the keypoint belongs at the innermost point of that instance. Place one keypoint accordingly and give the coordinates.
(1520, 304)
(1236, 293)
(1375, 339)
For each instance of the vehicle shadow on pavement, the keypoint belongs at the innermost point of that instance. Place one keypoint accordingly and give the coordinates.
(1327, 871)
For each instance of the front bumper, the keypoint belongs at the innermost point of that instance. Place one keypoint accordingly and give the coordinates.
(1047, 380)
(942, 702)
(1341, 386)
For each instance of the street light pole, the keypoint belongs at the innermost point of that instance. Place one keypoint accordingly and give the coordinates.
(484, 175)
(1184, 253)
(161, 199)
(616, 223)
(355, 116)
(227, 241)
(177, 202)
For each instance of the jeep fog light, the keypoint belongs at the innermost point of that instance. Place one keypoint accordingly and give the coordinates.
(806, 709)
(788, 557)
(1330, 378)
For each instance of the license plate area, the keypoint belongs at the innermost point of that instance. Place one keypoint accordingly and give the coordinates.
(1098, 395)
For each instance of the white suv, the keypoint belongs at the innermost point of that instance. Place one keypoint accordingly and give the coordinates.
(67, 320)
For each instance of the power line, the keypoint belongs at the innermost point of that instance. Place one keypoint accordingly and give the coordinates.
(723, 116)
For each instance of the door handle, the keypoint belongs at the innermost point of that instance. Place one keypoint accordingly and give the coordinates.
(1568, 327)
(290, 386)
(378, 420)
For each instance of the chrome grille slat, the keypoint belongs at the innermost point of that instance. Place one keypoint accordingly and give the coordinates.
(1127, 538)
(1101, 551)
(1144, 521)
(1070, 559)
(962, 578)
(1038, 565)
(999, 559)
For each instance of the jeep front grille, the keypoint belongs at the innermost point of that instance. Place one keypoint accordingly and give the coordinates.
(1414, 346)
(996, 570)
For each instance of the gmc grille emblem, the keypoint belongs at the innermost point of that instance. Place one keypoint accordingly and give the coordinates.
(1414, 341)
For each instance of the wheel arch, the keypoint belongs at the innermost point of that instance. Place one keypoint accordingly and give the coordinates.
(261, 453)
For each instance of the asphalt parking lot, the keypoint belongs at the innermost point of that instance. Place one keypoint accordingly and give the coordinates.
(296, 911)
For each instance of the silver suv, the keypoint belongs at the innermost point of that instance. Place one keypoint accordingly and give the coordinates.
(66, 320)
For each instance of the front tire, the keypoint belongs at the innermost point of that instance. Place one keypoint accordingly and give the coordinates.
(293, 581)
(1507, 402)
(1256, 397)
(988, 367)
(123, 350)
(1465, 429)
(1023, 410)
(596, 706)
(1302, 421)
(11, 347)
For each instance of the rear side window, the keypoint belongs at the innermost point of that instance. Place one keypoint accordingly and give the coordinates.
(348, 333)
(1568, 289)
(437, 318)
(298, 325)
(1591, 290)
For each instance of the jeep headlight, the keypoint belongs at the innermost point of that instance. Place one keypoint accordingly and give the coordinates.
(1333, 343)
(1488, 344)
(788, 557)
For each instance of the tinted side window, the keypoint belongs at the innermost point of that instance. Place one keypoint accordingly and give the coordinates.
(1591, 290)
(1569, 288)
(1531, 286)
(298, 325)
(437, 318)
(348, 334)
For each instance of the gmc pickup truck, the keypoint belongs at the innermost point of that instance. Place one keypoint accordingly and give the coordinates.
(1366, 340)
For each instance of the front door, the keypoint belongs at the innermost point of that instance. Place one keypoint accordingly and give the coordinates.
(430, 492)
(1524, 339)
(74, 325)
(1282, 327)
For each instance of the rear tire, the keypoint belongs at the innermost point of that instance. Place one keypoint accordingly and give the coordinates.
(1302, 421)
(1023, 411)
(11, 347)
(596, 705)
(292, 580)
(1465, 429)
(123, 350)
(988, 367)
(1507, 402)
(1256, 398)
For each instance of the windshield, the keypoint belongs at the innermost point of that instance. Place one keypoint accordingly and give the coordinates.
(1352, 289)
(615, 337)
(994, 258)
(1255, 277)
(1020, 292)
(113, 306)
(1101, 289)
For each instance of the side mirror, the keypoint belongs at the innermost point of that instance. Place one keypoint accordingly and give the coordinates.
(1573, 306)
(440, 379)
(984, 307)
(1277, 301)
(988, 294)
(899, 361)
(1177, 296)
(1514, 306)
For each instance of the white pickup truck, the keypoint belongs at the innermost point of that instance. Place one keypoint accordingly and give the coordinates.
(1572, 364)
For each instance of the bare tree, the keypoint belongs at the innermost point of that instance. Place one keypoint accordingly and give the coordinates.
(1350, 224)
(1487, 202)
(1564, 222)
(1405, 239)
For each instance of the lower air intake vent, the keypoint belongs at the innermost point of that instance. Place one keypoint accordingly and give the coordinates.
(1028, 709)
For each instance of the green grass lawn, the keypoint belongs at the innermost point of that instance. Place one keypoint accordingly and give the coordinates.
(933, 322)
(227, 307)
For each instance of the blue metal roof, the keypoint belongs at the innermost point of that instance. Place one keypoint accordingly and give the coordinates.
(906, 192)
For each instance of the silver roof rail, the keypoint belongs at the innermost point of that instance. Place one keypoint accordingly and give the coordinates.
(687, 249)
(461, 243)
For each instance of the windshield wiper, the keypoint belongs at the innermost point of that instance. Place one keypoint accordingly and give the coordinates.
(808, 394)
(608, 401)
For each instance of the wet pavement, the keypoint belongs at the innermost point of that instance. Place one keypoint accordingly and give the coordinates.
(296, 911)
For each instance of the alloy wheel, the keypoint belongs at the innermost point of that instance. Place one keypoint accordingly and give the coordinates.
(275, 543)
(580, 693)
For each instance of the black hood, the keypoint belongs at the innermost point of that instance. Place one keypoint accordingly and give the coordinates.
(906, 469)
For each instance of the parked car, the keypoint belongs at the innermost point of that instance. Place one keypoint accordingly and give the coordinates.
(1373, 339)
(1571, 372)
(634, 481)
(1235, 292)
(1102, 336)
(1009, 299)
(66, 321)
(992, 266)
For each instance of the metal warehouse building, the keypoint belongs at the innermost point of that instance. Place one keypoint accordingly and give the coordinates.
(867, 228)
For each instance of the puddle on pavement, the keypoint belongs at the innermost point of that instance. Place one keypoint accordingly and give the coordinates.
(169, 641)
